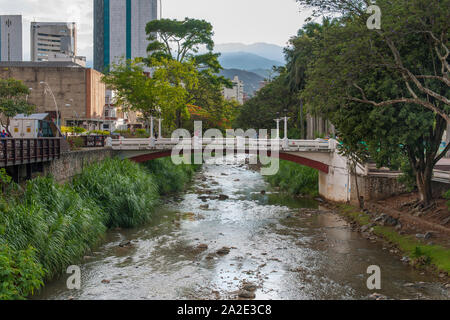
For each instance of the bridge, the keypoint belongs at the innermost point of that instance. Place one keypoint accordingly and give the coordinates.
(335, 181)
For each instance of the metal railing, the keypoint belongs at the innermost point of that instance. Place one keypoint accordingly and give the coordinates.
(164, 144)
(23, 151)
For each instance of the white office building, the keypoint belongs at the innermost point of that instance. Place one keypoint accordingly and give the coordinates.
(11, 38)
(53, 41)
(237, 92)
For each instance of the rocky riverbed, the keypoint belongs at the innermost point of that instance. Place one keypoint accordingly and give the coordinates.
(229, 237)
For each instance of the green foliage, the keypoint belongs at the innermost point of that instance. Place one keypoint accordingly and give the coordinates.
(187, 36)
(170, 177)
(49, 226)
(122, 189)
(99, 133)
(270, 103)
(20, 274)
(75, 142)
(295, 179)
(13, 99)
(55, 220)
(447, 196)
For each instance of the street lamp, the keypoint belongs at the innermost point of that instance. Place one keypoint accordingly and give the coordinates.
(46, 90)
(278, 128)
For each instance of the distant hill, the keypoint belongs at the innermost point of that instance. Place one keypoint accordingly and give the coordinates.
(251, 80)
(265, 50)
(246, 61)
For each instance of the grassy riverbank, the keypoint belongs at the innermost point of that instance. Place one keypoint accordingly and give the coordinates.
(295, 179)
(47, 227)
(421, 255)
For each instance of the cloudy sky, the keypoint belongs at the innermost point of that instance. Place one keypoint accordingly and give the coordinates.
(245, 21)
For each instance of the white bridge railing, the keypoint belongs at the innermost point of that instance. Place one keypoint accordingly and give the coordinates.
(225, 143)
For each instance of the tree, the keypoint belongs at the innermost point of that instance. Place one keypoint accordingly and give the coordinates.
(393, 79)
(166, 91)
(186, 36)
(13, 100)
(404, 22)
(181, 41)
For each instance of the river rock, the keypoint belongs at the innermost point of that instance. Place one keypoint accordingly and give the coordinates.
(125, 244)
(204, 207)
(224, 251)
(246, 294)
(428, 235)
(202, 246)
(223, 197)
(249, 287)
(106, 281)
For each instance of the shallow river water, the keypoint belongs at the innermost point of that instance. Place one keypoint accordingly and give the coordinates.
(290, 248)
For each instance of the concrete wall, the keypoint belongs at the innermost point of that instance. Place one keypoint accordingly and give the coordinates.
(72, 163)
(72, 85)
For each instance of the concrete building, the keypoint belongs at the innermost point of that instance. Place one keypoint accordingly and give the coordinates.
(11, 38)
(119, 30)
(237, 92)
(79, 92)
(53, 40)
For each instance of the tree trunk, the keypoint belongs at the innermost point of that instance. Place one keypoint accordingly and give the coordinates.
(424, 182)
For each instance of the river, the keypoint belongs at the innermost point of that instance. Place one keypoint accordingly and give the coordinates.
(289, 248)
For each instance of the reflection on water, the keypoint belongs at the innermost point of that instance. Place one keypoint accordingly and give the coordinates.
(290, 248)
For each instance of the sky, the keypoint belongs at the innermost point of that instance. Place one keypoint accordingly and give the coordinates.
(244, 21)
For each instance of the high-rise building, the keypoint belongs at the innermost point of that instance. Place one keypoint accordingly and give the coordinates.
(11, 38)
(119, 30)
(51, 40)
(237, 92)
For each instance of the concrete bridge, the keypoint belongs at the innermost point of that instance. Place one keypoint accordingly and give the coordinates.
(335, 181)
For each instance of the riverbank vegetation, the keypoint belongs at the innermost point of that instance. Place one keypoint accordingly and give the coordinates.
(385, 90)
(47, 227)
(420, 254)
(295, 179)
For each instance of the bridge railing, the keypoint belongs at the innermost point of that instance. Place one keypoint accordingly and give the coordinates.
(23, 151)
(236, 143)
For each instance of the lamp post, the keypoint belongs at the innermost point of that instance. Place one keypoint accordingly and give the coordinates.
(48, 89)
(286, 140)
(278, 128)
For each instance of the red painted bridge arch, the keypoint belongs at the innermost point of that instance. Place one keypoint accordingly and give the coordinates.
(283, 156)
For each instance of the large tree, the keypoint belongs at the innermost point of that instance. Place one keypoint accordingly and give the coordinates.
(182, 41)
(13, 100)
(391, 83)
(166, 91)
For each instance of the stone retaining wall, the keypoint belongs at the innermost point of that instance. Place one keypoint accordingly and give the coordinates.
(72, 163)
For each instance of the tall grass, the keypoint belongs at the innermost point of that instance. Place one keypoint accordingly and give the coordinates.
(170, 177)
(50, 226)
(122, 189)
(295, 179)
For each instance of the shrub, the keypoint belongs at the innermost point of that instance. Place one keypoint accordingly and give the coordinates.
(20, 274)
(447, 196)
(122, 189)
(56, 221)
(75, 142)
(295, 179)
(170, 178)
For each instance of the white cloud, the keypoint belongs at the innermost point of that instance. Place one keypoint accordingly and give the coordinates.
(246, 21)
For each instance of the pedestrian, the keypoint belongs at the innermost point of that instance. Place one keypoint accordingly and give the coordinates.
(3, 134)
(40, 134)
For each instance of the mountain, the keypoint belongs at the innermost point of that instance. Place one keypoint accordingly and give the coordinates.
(251, 80)
(246, 61)
(265, 50)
